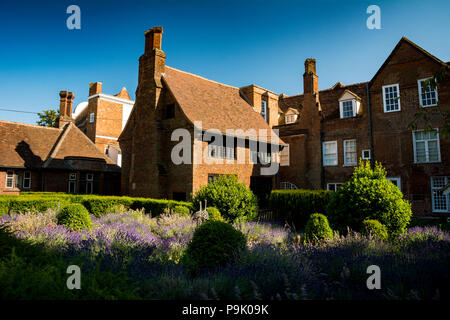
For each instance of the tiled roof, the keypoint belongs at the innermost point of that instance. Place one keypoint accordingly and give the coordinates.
(32, 146)
(217, 105)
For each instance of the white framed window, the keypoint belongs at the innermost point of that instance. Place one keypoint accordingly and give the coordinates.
(284, 156)
(366, 154)
(218, 151)
(428, 97)
(396, 181)
(334, 186)
(9, 179)
(27, 180)
(89, 183)
(72, 182)
(426, 146)
(350, 157)
(391, 98)
(347, 108)
(91, 117)
(440, 202)
(264, 109)
(330, 153)
(290, 118)
(287, 185)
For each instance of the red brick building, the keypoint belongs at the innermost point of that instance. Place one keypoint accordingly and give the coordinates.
(37, 158)
(336, 127)
(103, 117)
(324, 132)
(168, 99)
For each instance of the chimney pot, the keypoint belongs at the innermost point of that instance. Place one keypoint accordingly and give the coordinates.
(153, 39)
(94, 88)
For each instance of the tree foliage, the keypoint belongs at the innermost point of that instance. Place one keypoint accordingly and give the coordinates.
(48, 118)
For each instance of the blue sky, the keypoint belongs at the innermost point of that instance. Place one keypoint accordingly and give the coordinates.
(233, 42)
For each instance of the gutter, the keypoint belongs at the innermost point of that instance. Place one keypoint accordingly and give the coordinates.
(369, 109)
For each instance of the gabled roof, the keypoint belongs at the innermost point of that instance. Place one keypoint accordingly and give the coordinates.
(216, 105)
(404, 40)
(348, 92)
(34, 147)
(123, 94)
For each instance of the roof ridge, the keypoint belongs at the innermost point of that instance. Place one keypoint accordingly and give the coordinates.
(28, 125)
(57, 144)
(343, 86)
(203, 78)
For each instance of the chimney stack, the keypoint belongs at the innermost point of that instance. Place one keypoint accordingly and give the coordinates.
(153, 39)
(94, 88)
(65, 107)
(310, 79)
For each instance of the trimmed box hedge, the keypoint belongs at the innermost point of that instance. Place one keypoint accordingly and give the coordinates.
(296, 206)
(95, 204)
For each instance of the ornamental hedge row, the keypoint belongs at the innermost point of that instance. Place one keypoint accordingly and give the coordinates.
(96, 205)
(296, 206)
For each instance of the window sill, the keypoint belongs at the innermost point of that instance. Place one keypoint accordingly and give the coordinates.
(392, 111)
(350, 165)
(430, 106)
(429, 162)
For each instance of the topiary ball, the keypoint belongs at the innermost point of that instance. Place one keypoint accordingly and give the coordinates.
(317, 228)
(182, 211)
(233, 199)
(375, 228)
(214, 214)
(74, 216)
(213, 244)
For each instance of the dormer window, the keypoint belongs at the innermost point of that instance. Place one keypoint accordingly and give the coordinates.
(348, 108)
(349, 104)
(290, 118)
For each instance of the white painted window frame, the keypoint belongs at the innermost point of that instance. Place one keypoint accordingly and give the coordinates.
(9, 178)
(447, 180)
(352, 164)
(91, 117)
(27, 179)
(336, 160)
(284, 156)
(397, 179)
(366, 158)
(427, 156)
(384, 98)
(335, 186)
(419, 87)
(341, 108)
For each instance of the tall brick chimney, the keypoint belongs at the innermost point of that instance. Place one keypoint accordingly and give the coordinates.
(94, 88)
(152, 62)
(310, 79)
(65, 107)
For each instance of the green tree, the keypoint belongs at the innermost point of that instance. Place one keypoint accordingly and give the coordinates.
(369, 195)
(48, 118)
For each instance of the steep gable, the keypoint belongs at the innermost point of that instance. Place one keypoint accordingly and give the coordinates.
(406, 51)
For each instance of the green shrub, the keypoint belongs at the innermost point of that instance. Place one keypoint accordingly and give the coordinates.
(4, 205)
(375, 228)
(214, 214)
(368, 195)
(296, 206)
(156, 206)
(317, 228)
(182, 211)
(214, 243)
(75, 217)
(100, 205)
(233, 199)
(37, 203)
